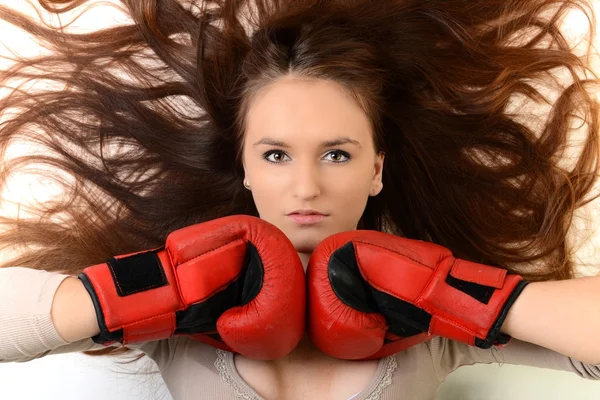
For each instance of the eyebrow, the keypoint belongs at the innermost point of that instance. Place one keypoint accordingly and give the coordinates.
(329, 143)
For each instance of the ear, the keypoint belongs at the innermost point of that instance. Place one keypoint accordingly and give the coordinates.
(377, 183)
(244, 167)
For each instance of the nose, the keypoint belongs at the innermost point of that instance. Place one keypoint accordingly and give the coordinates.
(306, 182)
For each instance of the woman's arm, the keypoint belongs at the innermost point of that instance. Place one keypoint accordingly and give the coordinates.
(563, 316)
(73, 312)
(38, 308)
(27, 299)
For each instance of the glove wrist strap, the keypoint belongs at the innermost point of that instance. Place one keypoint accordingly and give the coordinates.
(494, 336)
(117, 289)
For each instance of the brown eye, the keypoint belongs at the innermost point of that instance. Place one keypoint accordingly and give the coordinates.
(278, 156)
(338, 156)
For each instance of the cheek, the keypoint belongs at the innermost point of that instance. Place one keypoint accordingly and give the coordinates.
(355, 183)
(267, 194)
(351, 197)
(352, 200)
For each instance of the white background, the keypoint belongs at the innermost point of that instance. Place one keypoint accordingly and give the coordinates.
(76, 376)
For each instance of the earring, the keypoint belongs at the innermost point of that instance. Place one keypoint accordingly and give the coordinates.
(246, 185)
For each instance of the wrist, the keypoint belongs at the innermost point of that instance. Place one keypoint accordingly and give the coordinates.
(72, 312)
(511, 322)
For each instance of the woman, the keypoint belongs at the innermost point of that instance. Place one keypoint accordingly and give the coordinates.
(401, 117)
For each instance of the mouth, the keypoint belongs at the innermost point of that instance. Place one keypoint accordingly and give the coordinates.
(307, 217)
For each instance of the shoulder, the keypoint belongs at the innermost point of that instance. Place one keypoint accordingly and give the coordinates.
(180, 350)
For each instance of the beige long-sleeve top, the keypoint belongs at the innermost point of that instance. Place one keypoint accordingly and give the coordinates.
(193, 370)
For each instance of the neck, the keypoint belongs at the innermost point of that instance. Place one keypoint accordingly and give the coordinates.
(304, 257)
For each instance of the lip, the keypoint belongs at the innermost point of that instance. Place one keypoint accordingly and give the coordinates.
(307, 216)
(307, 219)
(307, 212)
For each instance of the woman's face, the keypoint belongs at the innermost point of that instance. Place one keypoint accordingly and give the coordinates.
(309, 146)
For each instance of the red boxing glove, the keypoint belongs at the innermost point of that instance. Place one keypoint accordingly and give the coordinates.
(372, 294)
(236, 283)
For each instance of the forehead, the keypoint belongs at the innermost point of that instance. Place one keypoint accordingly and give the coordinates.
(306, 109)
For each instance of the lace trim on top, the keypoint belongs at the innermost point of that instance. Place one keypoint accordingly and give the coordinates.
(385, 381)
(226, 366)
(236, 384)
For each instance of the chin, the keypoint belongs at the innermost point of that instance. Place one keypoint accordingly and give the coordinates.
(306, 239)
(305, 245)
(305, 248)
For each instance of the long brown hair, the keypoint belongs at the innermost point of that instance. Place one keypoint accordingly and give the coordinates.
(144, 137)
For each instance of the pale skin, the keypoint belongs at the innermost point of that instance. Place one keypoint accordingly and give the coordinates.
(563, 316)
(304, 114)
